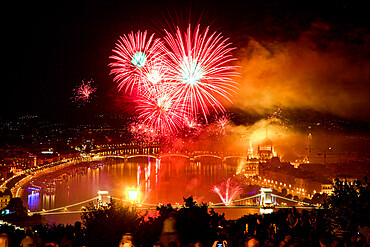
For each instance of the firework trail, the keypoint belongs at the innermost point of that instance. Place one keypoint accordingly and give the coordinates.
(83, 92)
(227, 191)
(137, 61)
(200, 69)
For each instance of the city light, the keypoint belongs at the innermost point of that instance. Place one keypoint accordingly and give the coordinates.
(133, 194)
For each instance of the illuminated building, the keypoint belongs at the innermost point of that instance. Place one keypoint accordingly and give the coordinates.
(22, 161)
(251, 168)
(327, 189)
(266, 149)
(4, 199)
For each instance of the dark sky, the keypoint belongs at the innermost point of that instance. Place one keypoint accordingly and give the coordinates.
(50, 46)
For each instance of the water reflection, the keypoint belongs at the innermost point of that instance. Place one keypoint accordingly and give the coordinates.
(48, 201)
(159, 181)
(33, 201)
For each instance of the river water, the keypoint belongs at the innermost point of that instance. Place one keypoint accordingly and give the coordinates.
(166, 182)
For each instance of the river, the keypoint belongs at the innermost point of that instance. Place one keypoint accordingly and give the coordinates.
(166, 182)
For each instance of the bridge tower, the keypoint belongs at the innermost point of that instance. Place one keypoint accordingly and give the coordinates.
(266, 201)
(192, 160)
(104, 198)
(223, 159)
(266, 197)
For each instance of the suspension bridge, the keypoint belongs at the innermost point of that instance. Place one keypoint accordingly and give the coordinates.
(266, 201)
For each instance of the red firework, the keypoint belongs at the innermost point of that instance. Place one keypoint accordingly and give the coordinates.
(222, 123)
(200, 69)
(177, 80)
(83, 92)
(137, 61)
(158, 110)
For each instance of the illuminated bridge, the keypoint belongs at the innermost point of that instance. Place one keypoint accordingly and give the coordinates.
(128, 153)
(266, 201)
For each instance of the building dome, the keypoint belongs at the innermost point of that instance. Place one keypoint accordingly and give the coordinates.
(266, 142)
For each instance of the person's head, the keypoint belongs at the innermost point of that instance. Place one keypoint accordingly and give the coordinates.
(282, 244)
(288, 239)
(157, 244)
(29, 233)
(324, 241)
(198, 244)
(336, 243)
(360, 240)
(253, 243)
(126, 240)
(172, 244)
(78, 225)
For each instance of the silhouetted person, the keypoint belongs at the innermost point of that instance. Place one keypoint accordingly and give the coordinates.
(28, 240)
(169, 233)
(259, 231)
(126, 240)
(172, 244)
(293, 220)
(4, 240)
(67, 240)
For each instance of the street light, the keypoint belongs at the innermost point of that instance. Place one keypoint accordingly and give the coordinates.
(133, 195)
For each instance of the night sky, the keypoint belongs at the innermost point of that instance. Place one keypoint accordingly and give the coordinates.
(51, 46)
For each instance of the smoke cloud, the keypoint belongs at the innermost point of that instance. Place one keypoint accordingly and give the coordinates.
(318, 71)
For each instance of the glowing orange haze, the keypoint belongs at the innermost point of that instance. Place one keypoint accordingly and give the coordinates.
(334, 79)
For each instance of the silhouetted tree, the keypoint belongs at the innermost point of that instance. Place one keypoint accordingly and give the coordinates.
(106, 225)
(348, 206)
(319, 198)
(148, 232)
(194, 223)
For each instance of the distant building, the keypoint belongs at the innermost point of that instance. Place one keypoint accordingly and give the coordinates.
(4, 198)
(327, 189)
(266, 149)
(252, 168)
(21, 161)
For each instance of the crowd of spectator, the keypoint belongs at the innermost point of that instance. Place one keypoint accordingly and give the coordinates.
(282, 228)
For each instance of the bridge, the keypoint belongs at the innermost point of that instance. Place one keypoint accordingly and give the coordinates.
(192, 156)
(266, 201)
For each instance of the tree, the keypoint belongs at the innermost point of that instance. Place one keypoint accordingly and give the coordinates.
(106, 225)
(194, 223)
(16, 206)
(348, 206)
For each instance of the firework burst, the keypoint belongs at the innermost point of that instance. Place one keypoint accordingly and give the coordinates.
(227, 191)
(172, 81)
(222, 123)
(200, 69)
(158, 110)
(137, 60)
(83, 92)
